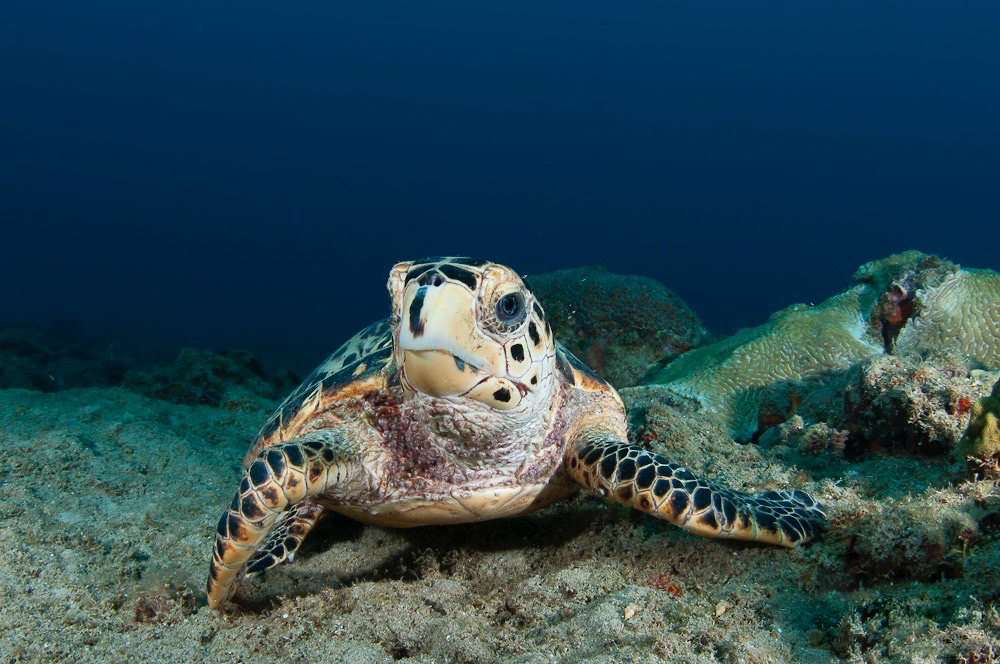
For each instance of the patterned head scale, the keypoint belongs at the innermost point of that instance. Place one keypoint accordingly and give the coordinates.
(470, 328)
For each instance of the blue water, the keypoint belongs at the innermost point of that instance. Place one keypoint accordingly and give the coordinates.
(244, 174)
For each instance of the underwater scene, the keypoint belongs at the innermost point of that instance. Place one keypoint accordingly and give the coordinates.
(500, 332)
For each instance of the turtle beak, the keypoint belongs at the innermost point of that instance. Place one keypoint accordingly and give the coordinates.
(443, 351)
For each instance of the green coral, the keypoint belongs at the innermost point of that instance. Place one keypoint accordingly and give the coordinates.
(981, 443)
(729, 376)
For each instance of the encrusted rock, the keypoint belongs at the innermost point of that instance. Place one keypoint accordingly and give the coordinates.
(203, 377)
(922, 539)
(620, 325)
(812, 438)
(906, 404)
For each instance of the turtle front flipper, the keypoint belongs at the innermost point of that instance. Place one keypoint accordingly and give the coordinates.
(628, 474)
(287, 535)
(277, 483)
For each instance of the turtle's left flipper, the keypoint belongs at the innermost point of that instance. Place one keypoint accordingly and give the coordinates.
(628, 474)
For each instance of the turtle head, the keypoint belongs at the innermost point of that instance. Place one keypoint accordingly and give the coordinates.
(465, 328)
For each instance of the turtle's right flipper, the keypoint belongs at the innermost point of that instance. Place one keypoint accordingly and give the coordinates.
(286, 537)
(279, 480)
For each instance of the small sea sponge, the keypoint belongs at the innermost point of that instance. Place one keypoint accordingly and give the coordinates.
(980, 445)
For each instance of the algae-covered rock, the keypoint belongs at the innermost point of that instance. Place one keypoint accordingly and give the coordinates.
(921, 538)
(888, 403)
(62, 356)
(980, 445)
(907, 404)
(620, 325)
(230, 378)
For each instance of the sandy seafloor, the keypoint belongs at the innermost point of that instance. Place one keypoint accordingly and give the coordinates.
(108, 501)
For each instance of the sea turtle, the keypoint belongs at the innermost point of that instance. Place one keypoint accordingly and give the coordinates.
(461, 407)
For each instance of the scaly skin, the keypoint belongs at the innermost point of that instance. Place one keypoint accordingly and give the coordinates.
(630, 475)
(279, 479)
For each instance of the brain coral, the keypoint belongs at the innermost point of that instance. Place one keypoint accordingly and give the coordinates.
(728, 376)
(961, 314)
(906, 303)
(620, 325)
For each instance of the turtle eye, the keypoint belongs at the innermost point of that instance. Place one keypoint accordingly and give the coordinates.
(510, 307)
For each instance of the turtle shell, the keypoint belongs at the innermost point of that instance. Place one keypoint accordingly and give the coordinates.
(360, 360)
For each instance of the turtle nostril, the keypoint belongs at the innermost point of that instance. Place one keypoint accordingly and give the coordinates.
(432, 278)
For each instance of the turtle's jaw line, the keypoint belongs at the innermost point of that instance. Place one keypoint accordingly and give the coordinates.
(521, 387)
(445, 373)
(462, 364)
(473, 365)
(441, 373)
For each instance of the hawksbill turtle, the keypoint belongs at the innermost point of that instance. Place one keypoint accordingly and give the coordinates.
(461, 407)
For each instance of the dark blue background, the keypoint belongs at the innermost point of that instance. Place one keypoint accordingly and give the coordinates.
(244, 174)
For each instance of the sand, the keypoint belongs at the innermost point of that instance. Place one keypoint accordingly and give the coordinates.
(108, 501)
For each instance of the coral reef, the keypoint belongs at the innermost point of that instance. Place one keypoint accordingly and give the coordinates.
(621, 326)
(62, 356)
(905, 304)
(906, 404)
(980, 445)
